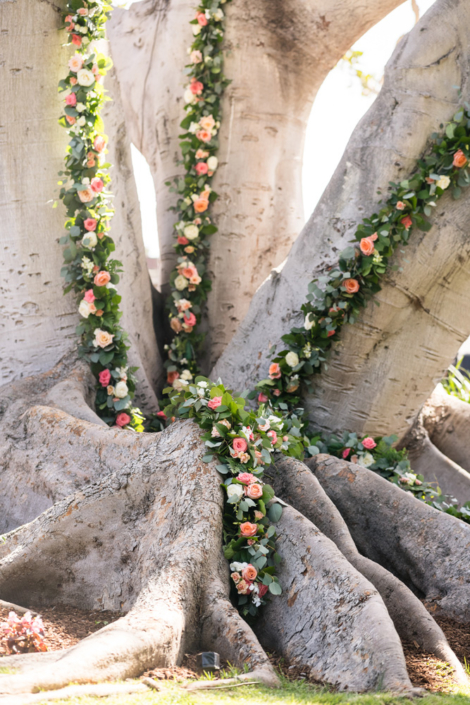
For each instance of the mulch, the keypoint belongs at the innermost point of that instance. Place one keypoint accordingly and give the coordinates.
(66, 626)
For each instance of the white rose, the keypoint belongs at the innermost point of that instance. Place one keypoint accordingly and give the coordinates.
(80, 107)
(81, 121)
(86, 180)
(212, 163)
(292, 359)
(121, 390)
(196, 29)
(194, 127)
(189, 96)
(235, 491)
(191, 232)
(309, 322)
(82, 30)
(179, 384)
(366, 460)
(85, 77)
(90, 239)
(186, 374)
(202, 384)
(84, 308)
(181, 282)
(218, 15)
(443, 182)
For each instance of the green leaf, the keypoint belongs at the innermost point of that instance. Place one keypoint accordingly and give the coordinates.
(275, 513)
(275, 588)
(207, 458)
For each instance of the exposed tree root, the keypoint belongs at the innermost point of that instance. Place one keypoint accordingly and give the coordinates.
(100, 690)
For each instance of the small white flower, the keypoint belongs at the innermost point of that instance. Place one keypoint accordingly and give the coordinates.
(366, 460)
(212, 163)
(256, 601)
(196, 29)
(81, 121)
(292, 359)
(201, 393)
(218, 15)
(202, 384)
(85, 180)
(186, 375)
(80, 107)
(189, 96)
(263, 426)
(443, 182)
(90, 240)
(191, 232)
(121, 390)
(309, 322)
(194, 127)
(87, 265)
(235, 491)
(237, 567)
(179, 384)
(84, 308)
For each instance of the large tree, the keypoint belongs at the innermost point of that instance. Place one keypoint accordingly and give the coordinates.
(105, 518)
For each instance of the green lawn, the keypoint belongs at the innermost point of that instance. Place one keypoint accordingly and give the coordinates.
(291, 693)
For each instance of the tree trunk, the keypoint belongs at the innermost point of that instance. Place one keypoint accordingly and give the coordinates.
(277, 55)
(37, 322)
(386, 365)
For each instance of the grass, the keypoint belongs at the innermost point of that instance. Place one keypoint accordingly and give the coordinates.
(291, 693)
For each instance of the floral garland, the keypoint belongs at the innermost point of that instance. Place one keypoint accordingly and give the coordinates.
(89, 270)
(199, 143)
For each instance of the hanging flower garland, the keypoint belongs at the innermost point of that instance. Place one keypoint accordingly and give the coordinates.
(89, 270)
(199, 143)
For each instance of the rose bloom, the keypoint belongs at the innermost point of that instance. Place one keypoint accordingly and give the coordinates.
(369, 443)
(346, 452)
(367, 244)
(189, 319)
(262, 590)
(123, 419)
(201, 154)
(100, 143)
(102, 338)
(258, 515)
(83, 11)
(189, 271)
(330, 333)
(262, 398)
(407, 222)
(400, 206)
(215, 403)
(76, 40)
(239, 445)
(191, 232)
(259, 457)
(273, 436)
(201, 168)
(97, 185)
(459, 159)
(175, 325)
(243, 457)
(180, 282)
(73, 81)
(85, 77)
(196, 87)
(246, 478)
(121, 390)
(172, 376)
(201, 205)
(254, 491)
(243, 587)
(161, 415)
(196, 56)
(70, 119)
(249, 573)
(204, 135)
(195, 279)
(181, 240)
(71, 99)
(102, 278)
(201, 19)
(104, 377)
(183, 305)
(86, 195)
(351, 286)
(212, 163)
(235, 577)
(90, 224)
(89, 296)
(291, 387)
(274, 370)
(207, 123)
(248, 529)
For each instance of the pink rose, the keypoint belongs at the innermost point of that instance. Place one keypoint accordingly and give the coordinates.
(248, 529)
(201, 168)
(100, 143)
(181, 240)
(97, 185)
(262, 398)
(369, 443)
(254, 491)
(246, 478)
(123, 419)
(189, 319)
(239, 445)
(249, 573)
(346, 452)
(407, 222)
(262, 590)
(89, 296)
(273, 436)
(71, 99)
(274, 370)
(161, 414)
(215, 403)
(82, 11)
(202, 19)
(196, 56)
(90, 224)
(104, 378)
(277, 392)
(196, 87)
(204, 135)
(102, 278)
(76, 40)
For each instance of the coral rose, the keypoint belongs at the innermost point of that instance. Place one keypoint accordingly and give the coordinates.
(201, 205)
(273, 436)
(239, 445)
(172, 376)
(104, 377)
(201, 19)
(189, 319)
(459, 159)
(102, 338)
(204, 135)
(71, 100)
(100, 143)
(76, 40)
(400, 206)
(215, 403)
(274, 370)
(70, 119)
(97, 185)
(196, 87)
(249, 573)
(407, 222)
(123, 419)
(367, 244)
(201, 168)
(181, 240)
(254, 491)
(246, 477)
(90, 224)
(351, 286)
(262, 398)
(248, 529)
(102, 278)
(369, 443)
(86, 195)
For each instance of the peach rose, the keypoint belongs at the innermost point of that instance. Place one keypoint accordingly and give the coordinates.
(367, 244)
(274, 370)
(246, 478)
(258, 515)
(244, 457)
(195, 279)
(201, 154)
(183, 305)
(239, 445)
(70, 119)
(86, 195)
(100, 143)
(201, 168)
(207, 123)
(204, 135)
(201, 205)
(400, 206)
(249, 573)
(102, 278)
(102, 338)
(196, 56)
(243, 587)
(459, 159)
(254, 491)
(248, 529)
(175, 325)
(407, 222)
(235, 577)
(351, 286)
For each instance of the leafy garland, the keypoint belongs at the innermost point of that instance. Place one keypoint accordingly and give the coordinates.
(199, 143)
(88, 268)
